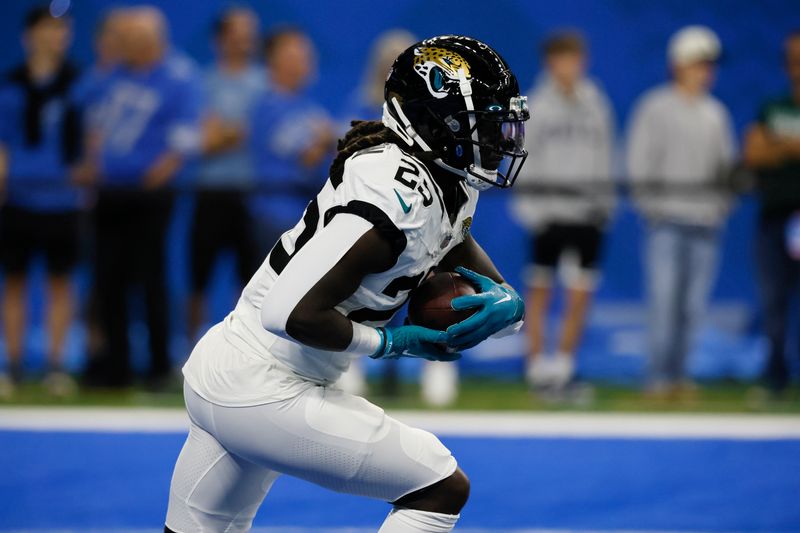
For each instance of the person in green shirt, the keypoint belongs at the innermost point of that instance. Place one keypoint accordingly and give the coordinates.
(772, 150)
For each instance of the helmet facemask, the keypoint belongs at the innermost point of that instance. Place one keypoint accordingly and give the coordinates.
(493, 140)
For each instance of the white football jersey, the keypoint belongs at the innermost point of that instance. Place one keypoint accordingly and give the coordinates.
(396, 193)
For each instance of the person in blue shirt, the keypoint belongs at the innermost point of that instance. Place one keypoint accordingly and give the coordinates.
(291, 137)
(40, 215)
(148, 129)
(231, 87)
(90, 89)
(88, 97)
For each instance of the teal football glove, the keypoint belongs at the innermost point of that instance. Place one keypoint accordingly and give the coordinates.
(413, 341)
(498, 306)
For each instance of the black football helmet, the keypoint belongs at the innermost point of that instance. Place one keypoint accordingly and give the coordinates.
(455, 98)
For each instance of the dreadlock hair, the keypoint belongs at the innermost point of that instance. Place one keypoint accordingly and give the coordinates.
(362, 134)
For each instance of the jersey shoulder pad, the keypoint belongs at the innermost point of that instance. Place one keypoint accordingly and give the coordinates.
(390, 180)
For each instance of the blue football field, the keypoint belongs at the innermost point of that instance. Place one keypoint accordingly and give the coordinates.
(582, 478)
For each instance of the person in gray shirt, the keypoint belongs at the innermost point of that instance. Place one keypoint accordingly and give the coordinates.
(680, 149)
(232, 86)
(564, 198)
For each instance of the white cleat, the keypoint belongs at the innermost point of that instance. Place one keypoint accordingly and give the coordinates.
(537, 372)
(562, 370)
(439, 383)
(60, 384)
(6, 387)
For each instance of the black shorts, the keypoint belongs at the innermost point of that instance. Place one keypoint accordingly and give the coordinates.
(585, 240)
(23, 234)
(221, 222)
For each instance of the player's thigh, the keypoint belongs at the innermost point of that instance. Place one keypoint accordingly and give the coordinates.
(17, 240)
(547, 247)
(60, 237)
(585, 241)
(588, 242)
(214, 490)
(338, 441)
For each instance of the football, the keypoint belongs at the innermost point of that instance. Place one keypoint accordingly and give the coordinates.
(429, 305)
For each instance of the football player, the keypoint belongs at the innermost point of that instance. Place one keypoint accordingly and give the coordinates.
(398, 205)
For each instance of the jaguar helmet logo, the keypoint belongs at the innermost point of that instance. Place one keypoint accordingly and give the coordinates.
(439, 68)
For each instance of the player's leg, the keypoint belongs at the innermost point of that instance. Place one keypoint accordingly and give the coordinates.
(240, 238)
(61, 251)
(344, 443)
(701, 262)
(540, 276)
(14, 321)
(115, 249)
(433, 509)
(580, 281)
(16, 241)
(438, 383)
(156, 217)
(204, 246)
(212, 489)
(663, 262)
(59, 318)
(778, 277)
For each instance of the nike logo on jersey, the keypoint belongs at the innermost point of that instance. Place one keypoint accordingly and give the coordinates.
(406, 207)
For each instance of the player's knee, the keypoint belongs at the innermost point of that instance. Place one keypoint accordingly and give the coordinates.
(457, 491)
(447, 496)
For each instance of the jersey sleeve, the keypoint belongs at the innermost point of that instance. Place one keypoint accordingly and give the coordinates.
(382, 186)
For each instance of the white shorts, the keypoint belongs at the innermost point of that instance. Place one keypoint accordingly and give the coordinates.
(325, 436)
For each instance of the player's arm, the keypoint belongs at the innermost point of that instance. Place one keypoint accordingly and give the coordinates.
(469, 254)
(499, 309)
(314, 321)
(301, 305)
(219, 136)
(163, 169)
(184, 136)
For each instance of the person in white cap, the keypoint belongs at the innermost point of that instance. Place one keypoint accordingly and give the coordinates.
(680, 149)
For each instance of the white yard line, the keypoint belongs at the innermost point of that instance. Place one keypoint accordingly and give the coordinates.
(347, 530)
(473, 423)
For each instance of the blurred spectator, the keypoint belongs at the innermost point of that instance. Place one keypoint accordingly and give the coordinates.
(772, 149)
(90, 90)
(681, 147)
(564, 199)
(38, 134)
(291, 137)
(231, 86)
(366, 102)
(149, 126)
(88, 96)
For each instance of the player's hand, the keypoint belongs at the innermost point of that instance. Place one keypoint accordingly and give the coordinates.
(498, 307)
(414, 341)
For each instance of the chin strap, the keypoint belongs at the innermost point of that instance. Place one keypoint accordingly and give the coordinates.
(477, 177)
(466, 91)
(402, 127)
